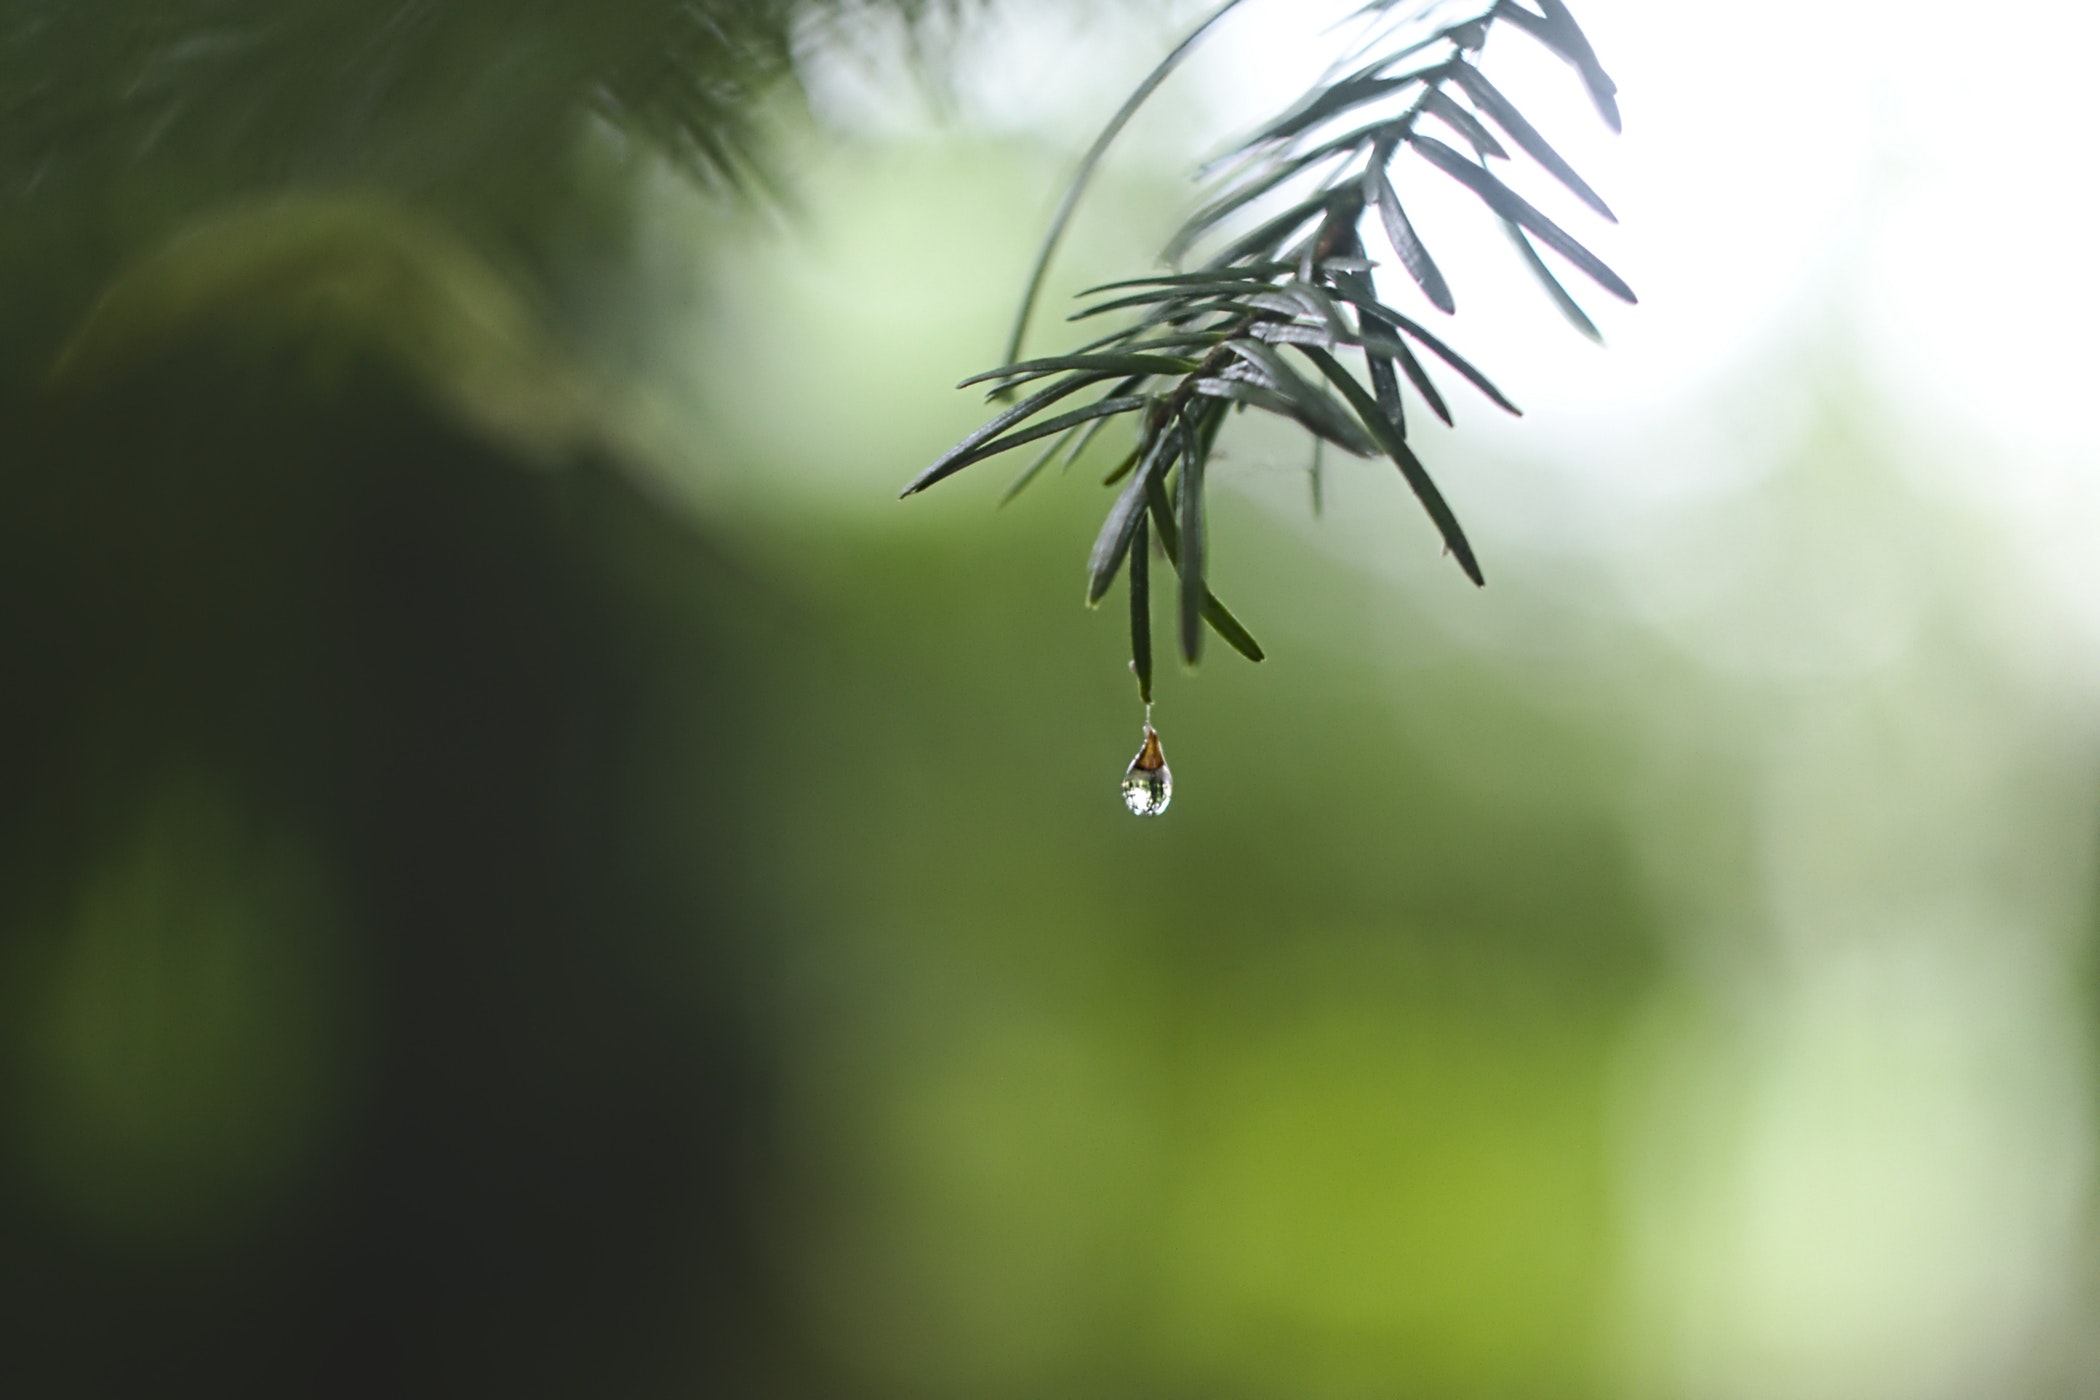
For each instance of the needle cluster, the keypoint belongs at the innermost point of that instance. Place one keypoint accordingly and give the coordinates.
(1271, 306)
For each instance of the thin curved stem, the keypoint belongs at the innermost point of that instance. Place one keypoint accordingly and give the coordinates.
(1091, 163)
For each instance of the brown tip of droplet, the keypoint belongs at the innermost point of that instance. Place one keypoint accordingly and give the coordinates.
(1151, 758)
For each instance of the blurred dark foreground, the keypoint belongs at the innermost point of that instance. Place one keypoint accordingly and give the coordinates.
(373, 1005)
(463, 935)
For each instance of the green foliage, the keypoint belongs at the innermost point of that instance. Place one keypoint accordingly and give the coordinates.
(129, 128)
(431, 93)
(352, 270)
(1264, 305)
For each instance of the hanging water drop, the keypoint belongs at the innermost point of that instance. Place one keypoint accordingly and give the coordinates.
(1148, 785)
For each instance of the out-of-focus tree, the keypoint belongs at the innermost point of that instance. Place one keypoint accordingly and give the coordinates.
(126, 123)
(369, 1025)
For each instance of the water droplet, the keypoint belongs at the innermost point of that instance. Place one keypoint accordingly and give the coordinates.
(1148, 785)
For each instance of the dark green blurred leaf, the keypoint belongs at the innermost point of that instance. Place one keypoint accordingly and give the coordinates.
(964, 452)
(1221, 620)
(1385, 384)
(1438, 104)
(1245, 193)
(1195, 544)
(1141, 609)
(1513, 207)
(1419, 377)
(1035, 467)
(1403, 457)
(1565, 303)
(1317, 410)
(1330, 102)
(1124, 467)
(1342, 433)
(1380, 312)
(1263, 241)
(1169, 308)
(1249, 272)
(1222, 291)
(1558, 31)
(1491, 101)
(1132, 340)
(1062, 422)
(1114, 540)
(1115, 364)
(1413, 256)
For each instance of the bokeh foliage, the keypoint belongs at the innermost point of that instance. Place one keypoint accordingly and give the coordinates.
(125, 123)
(1304, 1092)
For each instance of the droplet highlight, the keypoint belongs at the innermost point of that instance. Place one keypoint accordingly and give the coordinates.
(1148, 784)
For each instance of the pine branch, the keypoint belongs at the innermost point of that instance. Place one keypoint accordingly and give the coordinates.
(1264, 320)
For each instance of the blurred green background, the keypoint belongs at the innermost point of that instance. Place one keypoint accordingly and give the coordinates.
(525, 871)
